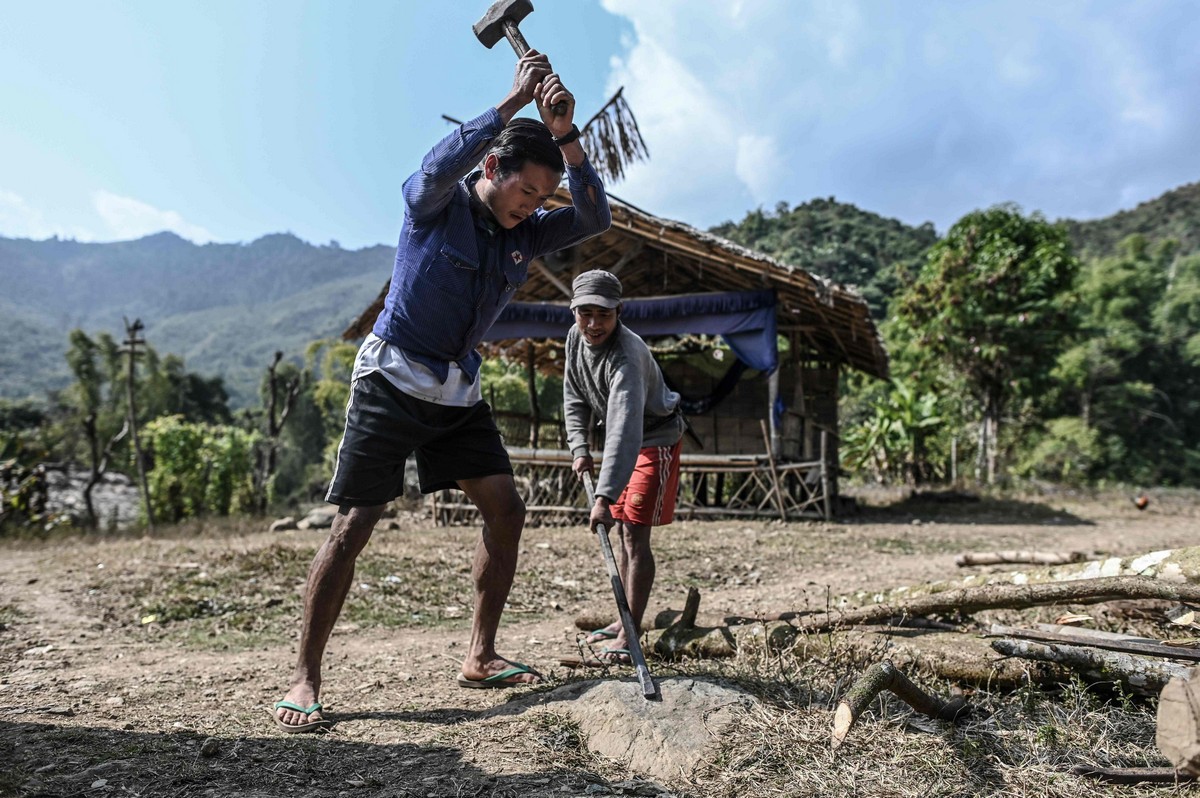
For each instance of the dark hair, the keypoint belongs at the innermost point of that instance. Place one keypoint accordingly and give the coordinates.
(524, 140)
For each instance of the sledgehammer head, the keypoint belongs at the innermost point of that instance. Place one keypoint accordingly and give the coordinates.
(490, 27)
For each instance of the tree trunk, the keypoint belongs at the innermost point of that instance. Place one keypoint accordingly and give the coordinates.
(1181, 566)
(1011, 556)
(1178, 733)
(1137, 674)
(967, 600)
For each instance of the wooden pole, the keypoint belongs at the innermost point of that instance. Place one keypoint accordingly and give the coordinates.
(772, 400)
(132, 342)
(779, 502)
(954, 460)
(535, 416)
(825, 498)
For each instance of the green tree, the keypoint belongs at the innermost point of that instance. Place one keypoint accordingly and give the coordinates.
(331, 362)
(1128, 377)
(991, 304)
(200, 469)
(170, 389)
(98, 401)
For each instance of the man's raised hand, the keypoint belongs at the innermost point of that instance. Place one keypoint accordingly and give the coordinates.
(532, 69)
(551, 92)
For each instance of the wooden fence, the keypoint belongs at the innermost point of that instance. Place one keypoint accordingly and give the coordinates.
(712, 486)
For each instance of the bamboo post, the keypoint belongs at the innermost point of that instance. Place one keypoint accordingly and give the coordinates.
(535, 416)
(772, 399)
(779, 502)
(825, 498)
(954, 460)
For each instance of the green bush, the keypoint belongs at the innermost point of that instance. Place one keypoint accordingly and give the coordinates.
(199, 469)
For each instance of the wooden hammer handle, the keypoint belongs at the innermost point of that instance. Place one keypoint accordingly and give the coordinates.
(520, 47)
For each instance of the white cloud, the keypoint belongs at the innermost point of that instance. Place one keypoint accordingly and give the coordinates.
(128, 218)
(19, 219)
(758, 162)
(920, 111)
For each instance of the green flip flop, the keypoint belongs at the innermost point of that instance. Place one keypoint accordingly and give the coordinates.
(603, 633)
(617, 656)
(500, 679)
(300, 728)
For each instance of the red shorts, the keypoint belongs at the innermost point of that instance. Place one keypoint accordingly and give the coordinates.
(649, 499)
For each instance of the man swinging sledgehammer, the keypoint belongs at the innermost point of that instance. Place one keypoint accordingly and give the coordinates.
(473, 221)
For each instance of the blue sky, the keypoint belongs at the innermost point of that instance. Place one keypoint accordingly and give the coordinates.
(225, 121)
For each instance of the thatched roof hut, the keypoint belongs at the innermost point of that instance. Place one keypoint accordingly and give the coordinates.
(826, 326)
(829, 323)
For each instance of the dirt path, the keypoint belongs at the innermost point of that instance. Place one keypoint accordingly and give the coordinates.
(95, 691)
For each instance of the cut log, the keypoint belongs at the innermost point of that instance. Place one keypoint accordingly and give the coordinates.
(886, 676)
(1178, 732)
(968, 600)
(895, 621)
(954, 656)
(700, 642)
(1171, 565)
(594, 619)
(1034, 557)
(738, 620)
(1097, 639)
(1136, 674)
(1133, 775)
(691, 606)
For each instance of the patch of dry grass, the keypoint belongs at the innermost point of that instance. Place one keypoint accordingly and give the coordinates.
(1017, 744)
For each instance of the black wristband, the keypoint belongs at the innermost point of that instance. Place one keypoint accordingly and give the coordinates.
(567, 139)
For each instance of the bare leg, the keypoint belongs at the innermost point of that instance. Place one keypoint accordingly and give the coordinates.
(329, 580)
(635, 563)
(493, 570)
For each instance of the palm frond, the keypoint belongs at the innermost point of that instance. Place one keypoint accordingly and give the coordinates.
(612, 139)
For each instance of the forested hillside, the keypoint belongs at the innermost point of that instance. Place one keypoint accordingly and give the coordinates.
(226, 307)
(835, 240)
(1175, 214)
(223, 307)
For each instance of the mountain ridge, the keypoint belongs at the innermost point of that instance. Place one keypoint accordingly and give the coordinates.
(226, 308)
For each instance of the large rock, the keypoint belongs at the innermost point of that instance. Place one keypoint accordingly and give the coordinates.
(320, 517)
(661, 739)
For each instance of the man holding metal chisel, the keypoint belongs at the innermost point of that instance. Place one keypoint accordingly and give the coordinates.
(612, 379)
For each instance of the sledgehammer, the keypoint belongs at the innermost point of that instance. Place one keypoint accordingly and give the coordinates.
(501, 20)
(649, 688)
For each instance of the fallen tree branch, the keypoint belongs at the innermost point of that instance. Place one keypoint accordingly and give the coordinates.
(1170, 565)
(1035, 557)
(1090, 637)
(1138, 674)
(973, 599)
(886, 676)
(1133, 775)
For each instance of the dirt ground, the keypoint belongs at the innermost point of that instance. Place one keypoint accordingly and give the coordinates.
(145, 665)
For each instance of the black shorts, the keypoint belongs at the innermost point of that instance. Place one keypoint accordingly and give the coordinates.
(385, 425)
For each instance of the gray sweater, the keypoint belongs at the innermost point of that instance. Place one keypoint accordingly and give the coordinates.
(620, 386)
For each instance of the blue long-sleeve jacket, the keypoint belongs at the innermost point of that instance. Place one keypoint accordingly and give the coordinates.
(446, 291)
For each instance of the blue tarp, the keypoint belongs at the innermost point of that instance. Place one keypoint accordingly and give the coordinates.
(745, 319)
